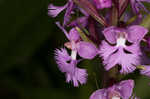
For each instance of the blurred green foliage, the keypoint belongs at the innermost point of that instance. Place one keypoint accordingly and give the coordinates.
(28, 38)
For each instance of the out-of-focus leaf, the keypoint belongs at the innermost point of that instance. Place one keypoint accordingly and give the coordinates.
(95, 76)
(146, 22)
(131, 20)
(142, 87)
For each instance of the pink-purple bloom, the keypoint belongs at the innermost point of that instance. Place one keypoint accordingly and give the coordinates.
(100, 4)
(69, 7)
(122, 90)
(68, 63)
(86, 50)
(55, 10)
(128, 56)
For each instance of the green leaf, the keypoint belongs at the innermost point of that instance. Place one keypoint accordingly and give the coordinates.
(83, 36)
(131, 20)
(146, 22)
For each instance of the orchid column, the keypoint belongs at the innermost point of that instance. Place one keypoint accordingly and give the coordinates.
(104, 28)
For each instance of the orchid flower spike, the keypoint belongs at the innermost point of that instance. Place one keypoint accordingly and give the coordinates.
(85, 50)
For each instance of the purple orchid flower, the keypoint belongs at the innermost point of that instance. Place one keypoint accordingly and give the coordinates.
(80, 21)
(122, 90)
(67, 64)
(118, 52)
(69, 6)
(137, 6)
(100, 4)
(55, 10)
(84, 49)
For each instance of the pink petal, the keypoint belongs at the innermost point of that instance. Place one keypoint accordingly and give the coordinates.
(99, 94)
(123, 90)
(87, 50)
(74, 35)
(136, 33)
(76, 77)
(105, 50)
(55, 10)
(145, 1)
(61, 57)
(126, 88)
(110, 34)
(127, 61)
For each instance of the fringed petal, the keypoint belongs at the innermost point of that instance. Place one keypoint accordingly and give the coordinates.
(62, 59)
(69, 67)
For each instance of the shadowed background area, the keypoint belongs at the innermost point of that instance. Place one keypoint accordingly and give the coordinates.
(28, 38)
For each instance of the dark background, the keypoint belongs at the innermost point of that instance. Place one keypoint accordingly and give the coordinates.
(28, 38)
